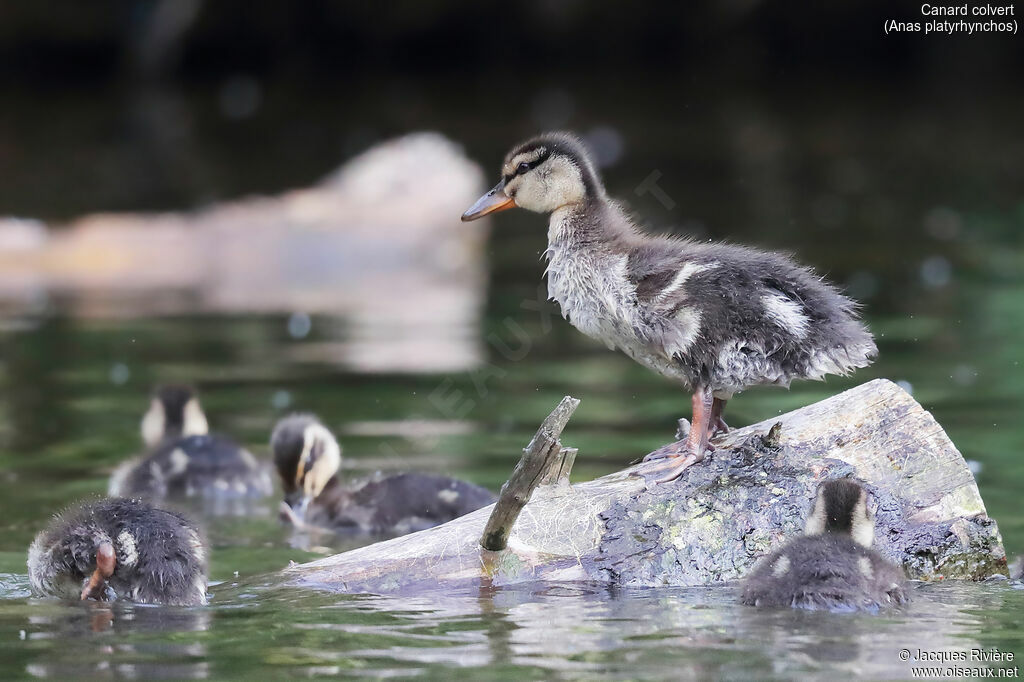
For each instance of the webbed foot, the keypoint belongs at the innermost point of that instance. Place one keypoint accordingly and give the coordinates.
(671, 461)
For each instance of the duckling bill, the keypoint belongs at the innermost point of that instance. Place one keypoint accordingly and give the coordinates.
(308, 459)
(184, 460)
(120, 549)
(715, 318)
(832, 566)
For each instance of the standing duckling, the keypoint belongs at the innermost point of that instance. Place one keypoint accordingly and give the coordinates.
(120, 549)
(716, 318)
(184, 459)
(308, 458)
(832, 566)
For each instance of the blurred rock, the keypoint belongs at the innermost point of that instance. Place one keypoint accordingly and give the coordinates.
(378, 243)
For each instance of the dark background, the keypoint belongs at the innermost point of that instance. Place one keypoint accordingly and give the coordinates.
(143, 105)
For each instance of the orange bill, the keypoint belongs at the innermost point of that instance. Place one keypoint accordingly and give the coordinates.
(492, 202)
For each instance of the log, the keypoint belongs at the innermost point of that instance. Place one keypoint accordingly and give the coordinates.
(713, 524)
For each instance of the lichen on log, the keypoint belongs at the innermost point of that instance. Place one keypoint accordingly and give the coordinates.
(720, 517)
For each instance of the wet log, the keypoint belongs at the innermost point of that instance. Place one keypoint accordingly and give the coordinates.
(713, 524)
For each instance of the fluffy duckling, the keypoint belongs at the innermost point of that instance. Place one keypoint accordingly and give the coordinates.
(120, 549)
(308, 458)
(717, 318)
(832, 566)
(184, 459)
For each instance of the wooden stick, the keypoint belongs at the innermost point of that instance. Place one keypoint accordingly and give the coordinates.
(561, 467)
(543, 453)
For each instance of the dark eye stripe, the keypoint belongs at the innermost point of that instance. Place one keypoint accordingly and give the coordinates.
(530, 165)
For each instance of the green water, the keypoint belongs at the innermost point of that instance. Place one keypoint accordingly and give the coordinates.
(929, 233)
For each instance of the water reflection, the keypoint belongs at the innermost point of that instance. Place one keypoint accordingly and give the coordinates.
(115, 640)
(596, 632)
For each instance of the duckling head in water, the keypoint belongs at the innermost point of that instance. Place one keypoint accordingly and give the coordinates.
(174, 411)
(120, 549)
(841, 507)
(307, 458)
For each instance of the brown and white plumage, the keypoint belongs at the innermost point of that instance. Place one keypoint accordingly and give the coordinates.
(832, 566)
(715, 317)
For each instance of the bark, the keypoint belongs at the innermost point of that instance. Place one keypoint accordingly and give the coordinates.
(544, 461)
(713, 524)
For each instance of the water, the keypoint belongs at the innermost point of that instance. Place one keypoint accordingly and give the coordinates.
(936, 254)
(548, 631)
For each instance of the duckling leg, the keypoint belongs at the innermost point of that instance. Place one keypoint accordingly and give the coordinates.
(106, 562)
(718, 424)
(683, 454)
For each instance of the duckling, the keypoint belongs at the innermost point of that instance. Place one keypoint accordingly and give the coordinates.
(184, 459)
(120, 549)
(716, 318)
(832, 566)
(308, 458)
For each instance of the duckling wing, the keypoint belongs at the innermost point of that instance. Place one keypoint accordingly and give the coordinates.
(740, 316)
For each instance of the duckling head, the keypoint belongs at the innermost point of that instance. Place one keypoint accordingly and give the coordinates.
(173, 411)
(542, 175)
(841, 507)
(306, 455)
(74, 563)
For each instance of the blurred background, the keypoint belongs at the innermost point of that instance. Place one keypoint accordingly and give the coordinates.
(136, 139)
(131, 132)
(263, 199)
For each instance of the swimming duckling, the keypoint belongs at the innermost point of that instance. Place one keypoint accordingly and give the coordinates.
(832, 566)
(184, 459)
(308, 458)
(716, 318)
(120, 549)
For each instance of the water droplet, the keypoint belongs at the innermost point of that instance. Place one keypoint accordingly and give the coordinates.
(299, 325)
(281, 400)
(119, 374)
(936, 272)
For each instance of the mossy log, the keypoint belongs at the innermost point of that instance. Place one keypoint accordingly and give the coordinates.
(719, 518)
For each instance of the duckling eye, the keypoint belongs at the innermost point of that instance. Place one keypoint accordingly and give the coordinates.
(522, 168)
